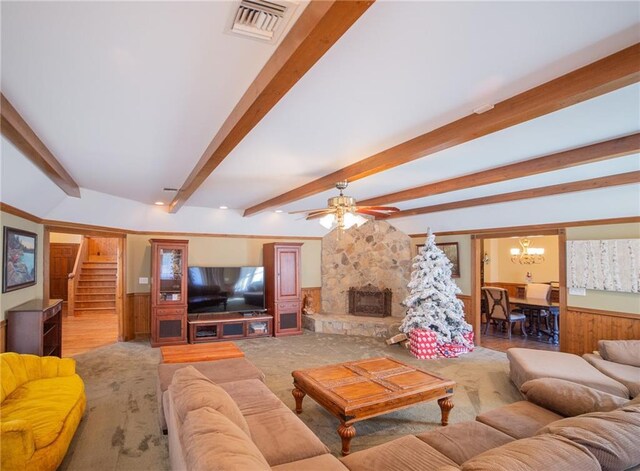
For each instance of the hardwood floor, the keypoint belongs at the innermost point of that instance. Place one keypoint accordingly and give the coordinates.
(496, 340)
(87, 331)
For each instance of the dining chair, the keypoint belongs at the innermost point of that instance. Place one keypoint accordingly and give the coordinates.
(499, 309)
(537, 291)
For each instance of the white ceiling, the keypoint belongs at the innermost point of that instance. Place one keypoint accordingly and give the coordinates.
(127, 95)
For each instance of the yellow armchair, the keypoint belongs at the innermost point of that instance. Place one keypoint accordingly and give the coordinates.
(43, 401)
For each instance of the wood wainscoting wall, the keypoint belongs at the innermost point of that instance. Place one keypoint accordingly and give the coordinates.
(584, 327)
(138, 315)
(316, 300)
(468, 307)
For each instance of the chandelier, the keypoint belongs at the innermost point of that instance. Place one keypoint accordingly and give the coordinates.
(527, 254)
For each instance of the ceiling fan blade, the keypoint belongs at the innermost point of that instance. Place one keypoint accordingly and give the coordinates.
(306, 211)
(376, 214)
(392, 209)
(318, 214)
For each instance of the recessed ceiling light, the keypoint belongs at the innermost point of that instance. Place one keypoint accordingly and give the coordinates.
(224, 207)
(278, 211)
(159, 203)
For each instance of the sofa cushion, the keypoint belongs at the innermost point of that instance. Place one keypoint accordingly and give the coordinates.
(463, 441)
(626, 352)
(403, 454)
(547, 452)
(569, 399)
(220, 371)
(519, 420)
(324, 462)
(613, 437)
(44, 404)
(282, 437)
(211, 442)
(526, 364)
(251, 396)
(192, 391)
(625, 374)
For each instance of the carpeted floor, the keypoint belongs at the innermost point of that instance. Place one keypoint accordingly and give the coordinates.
(120, 429)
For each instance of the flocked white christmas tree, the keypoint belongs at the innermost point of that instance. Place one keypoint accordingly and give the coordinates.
(432, 302)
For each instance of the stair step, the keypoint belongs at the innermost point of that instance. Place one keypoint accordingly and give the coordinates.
(96, 297)
(96, 284)
(95, 304)
(84, 277)
(95, 289)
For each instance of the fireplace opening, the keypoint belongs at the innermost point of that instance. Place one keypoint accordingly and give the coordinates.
(370, 301)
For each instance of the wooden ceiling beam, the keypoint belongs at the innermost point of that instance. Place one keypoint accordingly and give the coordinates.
(603, 76)
(562, 160)
(582, 185)
(16, 130)
(319, 27)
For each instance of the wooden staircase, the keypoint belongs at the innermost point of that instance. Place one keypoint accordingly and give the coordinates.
(96, 289)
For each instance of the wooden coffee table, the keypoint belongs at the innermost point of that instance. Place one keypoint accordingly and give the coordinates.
(191, 353)
(359, 390)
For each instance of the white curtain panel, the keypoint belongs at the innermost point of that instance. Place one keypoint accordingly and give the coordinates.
(608, 265)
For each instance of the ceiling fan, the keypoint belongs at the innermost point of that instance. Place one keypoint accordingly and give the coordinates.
(343, 212)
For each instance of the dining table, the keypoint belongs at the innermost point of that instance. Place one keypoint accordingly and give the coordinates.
(541, 304)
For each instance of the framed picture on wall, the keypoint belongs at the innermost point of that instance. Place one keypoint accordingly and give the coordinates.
(450, 249)
(19, 255)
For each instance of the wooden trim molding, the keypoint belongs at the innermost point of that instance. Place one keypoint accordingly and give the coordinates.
(581, 185)
(16, 130)
(319, 27)
(538, 229)
(3, 335)
(7, 208)
(606, 75)
(585, 327)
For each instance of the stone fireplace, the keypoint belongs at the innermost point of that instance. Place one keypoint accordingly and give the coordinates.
(370, 301)
(375, 255)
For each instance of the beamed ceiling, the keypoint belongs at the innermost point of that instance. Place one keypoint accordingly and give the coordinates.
(118, 100)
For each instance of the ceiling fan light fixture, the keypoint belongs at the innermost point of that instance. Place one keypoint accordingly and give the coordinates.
(328, 221)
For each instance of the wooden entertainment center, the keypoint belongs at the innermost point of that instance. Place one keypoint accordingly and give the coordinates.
(172, 325)
(212, 327)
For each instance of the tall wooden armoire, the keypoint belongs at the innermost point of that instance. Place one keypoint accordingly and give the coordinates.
(283, 294)
(168, 291)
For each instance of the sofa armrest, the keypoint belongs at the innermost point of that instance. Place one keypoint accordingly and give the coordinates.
(17, 444)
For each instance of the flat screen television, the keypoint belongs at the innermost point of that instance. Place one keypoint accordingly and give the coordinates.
(225, 289)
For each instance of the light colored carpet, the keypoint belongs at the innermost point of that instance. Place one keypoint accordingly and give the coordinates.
(120, 429)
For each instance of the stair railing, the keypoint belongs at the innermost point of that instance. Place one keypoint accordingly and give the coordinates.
(74, 276)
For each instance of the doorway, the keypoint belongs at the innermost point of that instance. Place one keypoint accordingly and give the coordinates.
(513, 266)
(86, 270)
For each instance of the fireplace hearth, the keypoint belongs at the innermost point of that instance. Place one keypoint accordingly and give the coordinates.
(370, 301)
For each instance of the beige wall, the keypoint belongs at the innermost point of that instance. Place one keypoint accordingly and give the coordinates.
(14, 298)
(501, 268)
(60, 238)
(606, 300)
(217, 251)
(464, 255)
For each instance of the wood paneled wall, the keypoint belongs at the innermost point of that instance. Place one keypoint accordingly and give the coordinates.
(104, 248)
(315, 294)
(3, 336)
(138, 318)
(468, 307)
(584, 327)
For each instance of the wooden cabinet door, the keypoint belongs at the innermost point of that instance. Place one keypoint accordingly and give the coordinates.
(287, 274)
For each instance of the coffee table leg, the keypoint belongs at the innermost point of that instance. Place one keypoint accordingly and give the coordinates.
(446, 404)
(346, 432)
(299, 396)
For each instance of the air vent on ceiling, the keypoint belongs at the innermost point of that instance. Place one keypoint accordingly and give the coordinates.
(260, 19)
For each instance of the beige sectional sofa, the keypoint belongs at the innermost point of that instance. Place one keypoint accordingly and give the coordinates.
(242, 425)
